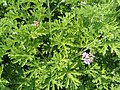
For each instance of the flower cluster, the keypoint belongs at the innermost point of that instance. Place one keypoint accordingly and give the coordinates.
(87, 57)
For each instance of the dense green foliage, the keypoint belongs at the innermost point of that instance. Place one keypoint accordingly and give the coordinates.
(48, 55)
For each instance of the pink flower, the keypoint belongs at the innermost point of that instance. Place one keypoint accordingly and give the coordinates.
(85, 55)
(88, 61)
(88, 58)
(35, 23)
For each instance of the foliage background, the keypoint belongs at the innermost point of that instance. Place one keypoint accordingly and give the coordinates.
(48, 57)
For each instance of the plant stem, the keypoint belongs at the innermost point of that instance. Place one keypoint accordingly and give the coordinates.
(49, 13)
(56, 7)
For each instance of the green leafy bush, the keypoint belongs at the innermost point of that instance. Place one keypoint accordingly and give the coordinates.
(42, 43)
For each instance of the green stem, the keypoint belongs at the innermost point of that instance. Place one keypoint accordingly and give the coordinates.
(49, 13)
(56, 7)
